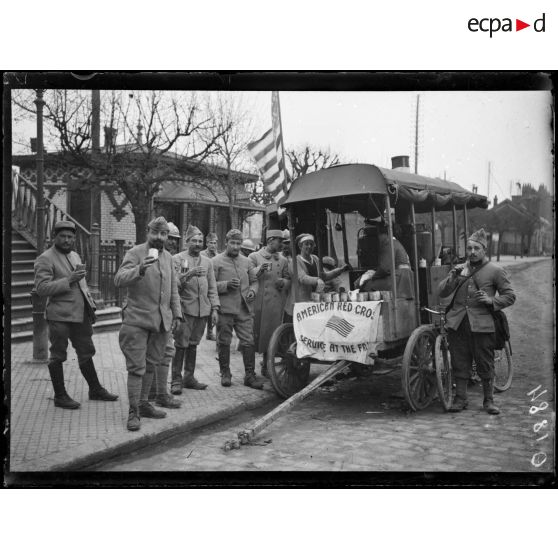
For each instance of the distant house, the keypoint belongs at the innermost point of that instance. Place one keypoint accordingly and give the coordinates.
(517, 230)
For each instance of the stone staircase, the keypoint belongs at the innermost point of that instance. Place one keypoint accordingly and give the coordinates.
(23, 257)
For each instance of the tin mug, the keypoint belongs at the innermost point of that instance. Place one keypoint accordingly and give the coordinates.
(334, 297)
(153, 253)
(184, 266)
(315, 297)
(375, 295)
(362, 297)
(326, 297)
(343, 297)
(80, 267)
(386, 295)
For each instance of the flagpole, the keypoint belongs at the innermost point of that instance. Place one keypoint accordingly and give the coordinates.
(285, 190)
(290, 216)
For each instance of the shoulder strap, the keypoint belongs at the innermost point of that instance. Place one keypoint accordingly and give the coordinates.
(450, 305)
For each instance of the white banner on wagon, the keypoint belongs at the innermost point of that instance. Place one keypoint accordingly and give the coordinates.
(331, 331)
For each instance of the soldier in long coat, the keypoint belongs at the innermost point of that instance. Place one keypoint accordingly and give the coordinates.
(70, 313)
(152, 309)
(274, 280)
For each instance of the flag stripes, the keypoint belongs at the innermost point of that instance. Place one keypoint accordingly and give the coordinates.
(340, 325)
(268, 154)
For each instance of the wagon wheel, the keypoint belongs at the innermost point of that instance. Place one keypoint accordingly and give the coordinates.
(503, 368)
(418, 368)
(287, 373)
(444, 377)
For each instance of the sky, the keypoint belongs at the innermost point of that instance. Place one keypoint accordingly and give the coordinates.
(460, 132)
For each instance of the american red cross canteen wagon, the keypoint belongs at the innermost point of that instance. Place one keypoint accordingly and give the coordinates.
(344, 208)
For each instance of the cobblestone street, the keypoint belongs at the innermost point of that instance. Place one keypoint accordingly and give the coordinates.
(357, 424)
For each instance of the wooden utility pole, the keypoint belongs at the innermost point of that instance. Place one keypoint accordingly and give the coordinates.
(417, 134)
(488, 187)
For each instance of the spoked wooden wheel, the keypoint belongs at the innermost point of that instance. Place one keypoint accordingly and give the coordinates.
(503, 369)
(419, 369)
(444, 378)
(288, 374)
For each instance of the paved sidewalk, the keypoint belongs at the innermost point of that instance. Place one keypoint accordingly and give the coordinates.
(46, 438)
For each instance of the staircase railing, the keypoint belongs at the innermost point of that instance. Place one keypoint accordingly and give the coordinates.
(24, 216)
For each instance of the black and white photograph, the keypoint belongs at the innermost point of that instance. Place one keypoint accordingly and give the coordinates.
(298, 274)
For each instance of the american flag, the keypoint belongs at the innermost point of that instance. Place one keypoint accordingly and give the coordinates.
(268, 154)
(340, 325)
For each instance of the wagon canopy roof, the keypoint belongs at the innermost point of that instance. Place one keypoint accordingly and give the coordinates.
(363, 179)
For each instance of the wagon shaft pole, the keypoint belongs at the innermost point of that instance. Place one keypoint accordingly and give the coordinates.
(245, 436)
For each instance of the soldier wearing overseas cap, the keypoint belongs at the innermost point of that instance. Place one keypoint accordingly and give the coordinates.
(151, 311)
(70, 313)
(479, 287)
(199, 301)
(274, 280)
(159, 390)
(210, 252)
(237, 286)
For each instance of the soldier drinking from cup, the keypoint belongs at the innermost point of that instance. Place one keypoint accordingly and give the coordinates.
(70, 313)
(200, 302)
(274, 280)
(237, 286)
(152, 310)
(159, 389)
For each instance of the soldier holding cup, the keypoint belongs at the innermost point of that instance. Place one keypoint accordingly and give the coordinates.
(200, 303)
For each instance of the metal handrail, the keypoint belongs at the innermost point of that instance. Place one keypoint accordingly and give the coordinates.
(24, 213)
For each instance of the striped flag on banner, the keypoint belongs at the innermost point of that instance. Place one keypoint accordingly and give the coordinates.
(268, 154)
(340, 325)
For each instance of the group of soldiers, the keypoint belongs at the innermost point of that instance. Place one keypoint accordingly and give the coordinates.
(171, 298)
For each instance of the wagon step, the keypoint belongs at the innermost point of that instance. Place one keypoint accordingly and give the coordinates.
(247, 436)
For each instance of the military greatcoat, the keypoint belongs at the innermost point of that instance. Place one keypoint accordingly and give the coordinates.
(270, 300)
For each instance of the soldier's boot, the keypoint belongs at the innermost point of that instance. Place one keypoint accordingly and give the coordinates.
(225, 364)
(189, 381)
(249, 359)
(61, 398)
(134, 390)
(460, 402)
(488, 402)
(96, 391)
(265, 373)
(176, 371)
(163, 398)
(146, 409)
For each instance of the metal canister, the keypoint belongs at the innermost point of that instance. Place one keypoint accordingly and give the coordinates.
(184, 265)
(326, 297)
(334, 297)
(343, 297)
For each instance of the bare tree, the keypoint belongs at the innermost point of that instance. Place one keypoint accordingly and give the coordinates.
(158, 136)
(228, 167)
(308, 158)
